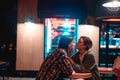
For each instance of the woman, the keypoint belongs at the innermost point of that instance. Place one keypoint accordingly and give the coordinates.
(57, 64)
(84, 60)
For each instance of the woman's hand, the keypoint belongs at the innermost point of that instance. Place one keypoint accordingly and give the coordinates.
(71, 61)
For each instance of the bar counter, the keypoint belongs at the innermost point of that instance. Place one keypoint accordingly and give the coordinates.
(2, 62)
(80, 76)
(105, 70)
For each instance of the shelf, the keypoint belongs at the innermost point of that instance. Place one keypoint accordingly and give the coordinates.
(110, 47)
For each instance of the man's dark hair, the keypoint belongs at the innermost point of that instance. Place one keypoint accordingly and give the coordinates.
(64, 42)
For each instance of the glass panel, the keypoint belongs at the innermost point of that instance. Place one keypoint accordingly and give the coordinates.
(55, 28)
(114, 35)
(103, 36)
(109, 46)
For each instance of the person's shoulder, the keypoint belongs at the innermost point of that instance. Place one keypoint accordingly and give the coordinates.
(76, 54)
(62, 53)
(90, 53)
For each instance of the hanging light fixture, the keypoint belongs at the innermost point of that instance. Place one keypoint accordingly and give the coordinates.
(112, 5)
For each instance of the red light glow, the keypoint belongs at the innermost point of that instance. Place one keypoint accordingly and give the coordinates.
(112, 20)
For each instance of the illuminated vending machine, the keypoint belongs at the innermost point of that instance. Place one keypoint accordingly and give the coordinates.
(54, 29)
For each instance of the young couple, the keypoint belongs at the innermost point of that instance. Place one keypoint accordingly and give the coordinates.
(59, 65)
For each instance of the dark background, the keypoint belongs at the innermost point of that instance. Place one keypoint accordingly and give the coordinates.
(8, 21)
(8, 32)
(8, 13)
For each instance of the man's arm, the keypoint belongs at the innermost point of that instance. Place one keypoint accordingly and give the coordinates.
(65, 65)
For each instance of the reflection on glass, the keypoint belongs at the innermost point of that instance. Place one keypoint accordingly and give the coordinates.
(102, 65)
(55, 28)
(113, 36)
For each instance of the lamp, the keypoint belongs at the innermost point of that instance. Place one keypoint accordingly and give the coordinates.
(29, 21)
(112, 5)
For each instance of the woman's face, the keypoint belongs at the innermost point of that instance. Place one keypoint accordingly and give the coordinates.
(80, 44)
(71, 46)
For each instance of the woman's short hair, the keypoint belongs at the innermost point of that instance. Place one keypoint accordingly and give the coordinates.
(87, 42)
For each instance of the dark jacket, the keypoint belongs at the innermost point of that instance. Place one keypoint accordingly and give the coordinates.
(88, 65)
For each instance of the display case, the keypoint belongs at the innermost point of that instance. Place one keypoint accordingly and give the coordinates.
(55, 28)
(109, 43)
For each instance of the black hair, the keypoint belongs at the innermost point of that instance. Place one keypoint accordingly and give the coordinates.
(64, 42)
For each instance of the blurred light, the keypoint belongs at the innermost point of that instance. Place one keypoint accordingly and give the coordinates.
(112, 6)
(29, 21)
(48, 35)
(66, 25)
(112, 20)
(66, 19)
(116, 37)
(66, 33)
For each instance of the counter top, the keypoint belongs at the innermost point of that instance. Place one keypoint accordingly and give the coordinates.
(105, 70)
(80, 75)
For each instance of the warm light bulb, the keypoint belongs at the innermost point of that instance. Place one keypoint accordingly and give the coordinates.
(112, 4)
